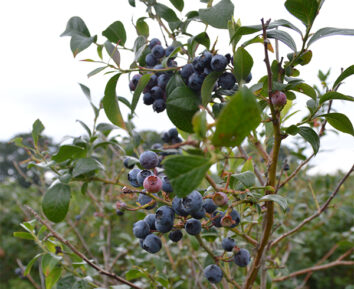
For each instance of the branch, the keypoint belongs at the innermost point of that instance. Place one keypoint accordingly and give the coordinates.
(28, 276)
(78, 253)
(320, 211)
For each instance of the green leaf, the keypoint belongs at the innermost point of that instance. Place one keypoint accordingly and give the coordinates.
(68, 152)
(237, 119)
(201, 38)
(23, 235)
(86, 91)
(110, 103)
(248, 178)
(86, 165)
(310, 136)
(346, 73)
(293, 130)
(141, 27)
(182, 104)
(199, 122)
(55, 203)
(168, 14)
(81, 284)
(185, 172)
(76, 26)
(284, 23)
(305, 10)
(283, 37)
(305, 89)
(48, 263)
(133, 274)
(243, 63)
(335, 95)
(30, 264)
(143, 81)
(208, 86)
(112, 52)
(281, 201)
(116, 33)
(218, 15)
(132, 3)
(179, 4)
(340, 122)
(37, 129)
(174, 82)
(85, 127)
(96, 70)
(329, 31)
(247, 166)
(53, 277)
(79, 43)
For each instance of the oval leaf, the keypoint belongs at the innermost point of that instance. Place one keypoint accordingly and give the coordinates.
(340, 122)
(143, 81)
(310, 136)
(208, 86)
(305, 10)
(283, 37)
(243, 63)
(116, 33)
(218, 15)
(281, 201)
(329, 31)
(86, 165)
(346, 73)
(335, 95)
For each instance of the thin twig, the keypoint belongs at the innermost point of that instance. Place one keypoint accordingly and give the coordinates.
(28, 276)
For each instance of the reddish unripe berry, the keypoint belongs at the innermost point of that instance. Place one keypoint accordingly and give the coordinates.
(278, 99)
(152, 184)
(220, 199)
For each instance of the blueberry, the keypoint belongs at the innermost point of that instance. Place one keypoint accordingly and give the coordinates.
(142, 175)
(173, 133)
(134, 82)
(162, 80)
(193, 227)
(213, 273)
(169, 50)
(145, 199)
(159, 105)
(171, 63)
(218, 62)
(119, 212)
(152, 81)
(178, 207)
(159, 67)
(286, 167)
(18, 271)
(141, 229)
(154, 42)
(205, 58)
(220, 199)
(228, 57)
(227, 80)
(166, 137)
(152, 244)
(150, 219)
(158, 51)
(131, 86)
(175, 236)
(207, 71)
(132, 177)
(77, 217)
(156, 146)
(228, 244)
(164, 219)
(209, 205)
(152, 184)
(242, 258)
(195, 81)
(176, 140)
(198, 65)
(198, 214)
(148, 99)
(193, 202)
(249, 78)
(166, 185)
(141, 243)
(150, 60)
(128, 163)
(235, 217)
(217, 216)
(187, 71)
(156, 92)
(149, 160)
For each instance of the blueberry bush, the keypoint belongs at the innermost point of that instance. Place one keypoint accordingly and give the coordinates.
(214, 197)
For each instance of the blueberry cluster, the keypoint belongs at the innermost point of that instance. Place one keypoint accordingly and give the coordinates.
(171, 136)
(154, 92)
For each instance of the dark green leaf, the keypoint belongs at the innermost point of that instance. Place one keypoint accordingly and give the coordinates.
(141, 27)
(179, 4)
(76, 26)
(85, 127)
(284, 23)
(134, 274)
(240, 116)
(37, 129)
(185, 172)
(329, 31)
(201, 38)
(340, 122)
(96, 70)
(86, 165)
(112, 52)
(143, 81)
(56, 201)
(281, 201)
(305, 89)
(174, 82)
(168, 14)
(218, 15)
(182, 104)
(116, 33)
(208, 86)
(335, 95)
(199, 122)
(305, 10)
(110, 103)
(79, 43)
(283, 37)
(293, 130)
(243, 63)
(68, 151)
(23, 235)
(124, 101)
(310, 136)
(132, 3)
(30, 264)
(346, 73)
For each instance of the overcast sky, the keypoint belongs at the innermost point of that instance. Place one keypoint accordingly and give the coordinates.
(39, 76)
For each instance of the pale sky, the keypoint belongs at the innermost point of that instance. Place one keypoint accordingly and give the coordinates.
(39, 76)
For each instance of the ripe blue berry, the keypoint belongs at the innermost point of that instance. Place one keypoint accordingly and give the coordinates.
(242, 258)
(193, 227)
(162, 80)
(187, 71)
(119, 212)
(227, 80)
(164, 219)
(150, 60)
(235, 217)
(166, 186)
(134, 81)
(149, 160)
(249, 78)
(217, 216)
(205, 58)
(152, 244)
(158, 51)
(142, 175)
(198, 214)
(213, 273)
(195, 81)
(150, 219)
(141, 229)
(154, 42)
(197, 64)
(228, 244)
(128, 163)
(156, 92)
(166, 137)
(132, 177)
(178, 207)
(159, 105)
(144, 199)
(173, 132)
(218, 62)
(175, 236)
(152, 81)
(209, 205)
(193, 202)
(169, 50)
(148, 99)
